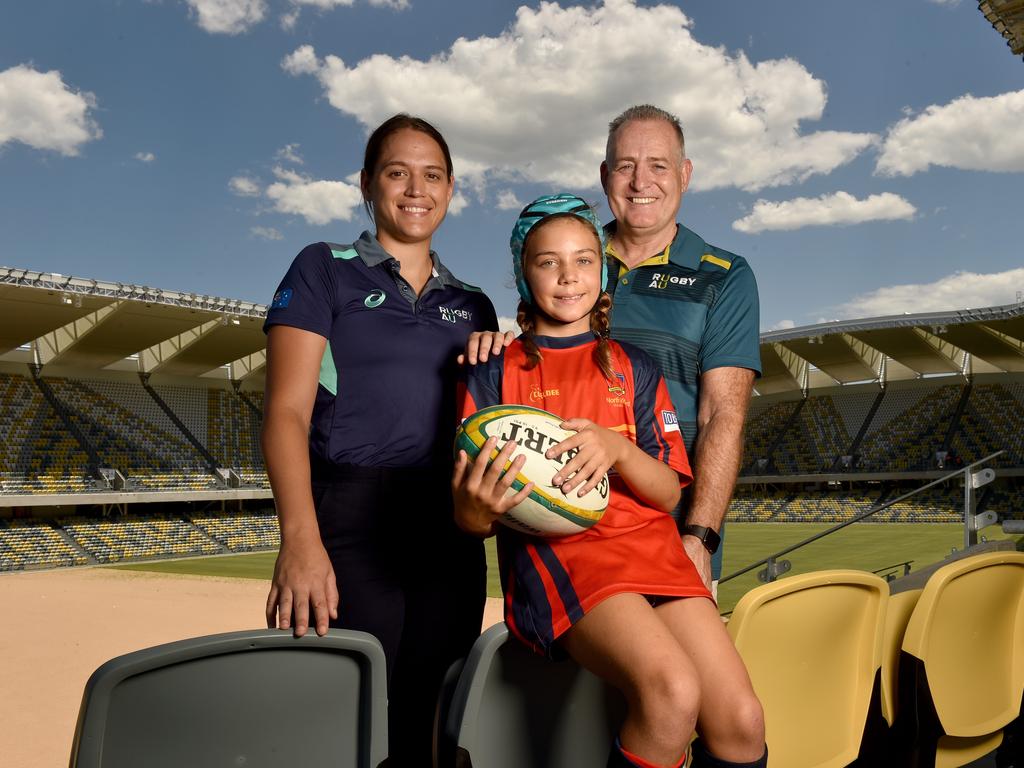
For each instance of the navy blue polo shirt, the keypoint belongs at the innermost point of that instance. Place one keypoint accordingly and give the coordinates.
(386, 395)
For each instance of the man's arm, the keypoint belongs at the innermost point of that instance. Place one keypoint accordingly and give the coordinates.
(724, 397)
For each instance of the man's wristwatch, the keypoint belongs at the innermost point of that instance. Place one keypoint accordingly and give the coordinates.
(708, 536)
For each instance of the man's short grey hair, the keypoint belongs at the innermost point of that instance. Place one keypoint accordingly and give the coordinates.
(644, 112)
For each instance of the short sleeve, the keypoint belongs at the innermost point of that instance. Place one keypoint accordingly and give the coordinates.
(731, 332)
(657, 423)
(305, 297)
(480, 386)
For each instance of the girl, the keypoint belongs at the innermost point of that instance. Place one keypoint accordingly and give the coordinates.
(622, 598)
(361, 378)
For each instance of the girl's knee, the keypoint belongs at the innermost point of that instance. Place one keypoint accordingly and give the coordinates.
(749, 720)
(669, 697)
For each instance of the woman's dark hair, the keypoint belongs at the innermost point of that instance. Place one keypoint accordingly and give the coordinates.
(394, 124)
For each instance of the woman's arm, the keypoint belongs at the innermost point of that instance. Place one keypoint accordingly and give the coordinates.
(303, 575)
(600, 449)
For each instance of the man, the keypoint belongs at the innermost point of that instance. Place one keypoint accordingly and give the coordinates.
(691, 306)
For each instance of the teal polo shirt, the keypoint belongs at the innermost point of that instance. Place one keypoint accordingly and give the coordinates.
(693, 307)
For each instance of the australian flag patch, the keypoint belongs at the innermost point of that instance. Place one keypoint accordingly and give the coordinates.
(281, 298)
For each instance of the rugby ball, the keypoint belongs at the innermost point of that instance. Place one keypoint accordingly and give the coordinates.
(546, 511)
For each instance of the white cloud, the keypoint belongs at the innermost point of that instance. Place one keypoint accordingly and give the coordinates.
(289, 153)
(301, 61)
(228, 17)
(783, 325)
(266, 233)
(40, 110)
(957, 291)
(743, 120)
(244, 186)
(145, 157)
(975, 134)
(288, 20)
(317, 201)
(507, 201)
(456, 206)
(508, 324)
(328, 4)
(827, 210)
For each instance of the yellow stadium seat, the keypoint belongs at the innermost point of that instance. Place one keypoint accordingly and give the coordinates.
(962, 663)
(901, 606)
(813, 646)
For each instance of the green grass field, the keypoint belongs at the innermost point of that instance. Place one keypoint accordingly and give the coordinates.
(867, 546)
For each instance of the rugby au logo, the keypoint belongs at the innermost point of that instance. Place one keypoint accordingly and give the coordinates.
(454, 315)
(658, 280)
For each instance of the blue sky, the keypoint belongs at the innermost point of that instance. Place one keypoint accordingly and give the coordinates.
(864, 162)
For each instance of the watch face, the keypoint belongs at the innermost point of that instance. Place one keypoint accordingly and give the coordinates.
(711, 541)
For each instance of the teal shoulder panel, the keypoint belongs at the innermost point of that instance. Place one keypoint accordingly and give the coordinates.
(345, 252)
(328, 373)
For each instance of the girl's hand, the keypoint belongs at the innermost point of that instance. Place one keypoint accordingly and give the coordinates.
(479, 490)
(599, 450)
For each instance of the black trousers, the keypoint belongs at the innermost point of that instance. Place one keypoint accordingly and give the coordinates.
(407, 575)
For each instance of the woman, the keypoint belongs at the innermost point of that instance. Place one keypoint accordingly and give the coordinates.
(361, 368)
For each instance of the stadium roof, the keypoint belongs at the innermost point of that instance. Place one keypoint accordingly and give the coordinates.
(965, 341)
(1007, 16)
(94, 324)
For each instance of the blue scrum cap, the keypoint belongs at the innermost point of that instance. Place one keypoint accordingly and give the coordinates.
(536, 212)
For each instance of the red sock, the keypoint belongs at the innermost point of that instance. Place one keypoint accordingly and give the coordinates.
(639, 762)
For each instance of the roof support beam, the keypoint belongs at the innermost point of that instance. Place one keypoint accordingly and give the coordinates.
(152, 359)
(246, 366)
(51, 346)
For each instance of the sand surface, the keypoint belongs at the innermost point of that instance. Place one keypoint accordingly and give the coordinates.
(59, 626)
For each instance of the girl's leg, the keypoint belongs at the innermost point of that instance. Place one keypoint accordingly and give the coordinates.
(731, 722)
(623, 641)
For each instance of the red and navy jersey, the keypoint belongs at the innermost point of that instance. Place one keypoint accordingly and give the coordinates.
(386, 395)
(550, 584)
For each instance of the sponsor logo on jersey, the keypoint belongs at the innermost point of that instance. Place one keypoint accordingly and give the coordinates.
(670, 421)
(374, 298)
(617, 387)
(454, 315)
(658, 280)
(281, 298)
(537, 394)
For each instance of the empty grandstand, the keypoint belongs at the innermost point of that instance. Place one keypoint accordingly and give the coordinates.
(131, 419)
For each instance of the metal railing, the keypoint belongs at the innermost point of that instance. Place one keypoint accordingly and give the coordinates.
(973, 522)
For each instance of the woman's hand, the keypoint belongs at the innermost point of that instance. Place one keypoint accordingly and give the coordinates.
(482, 344)
(480, 490)
(303, 577)
(599, 449)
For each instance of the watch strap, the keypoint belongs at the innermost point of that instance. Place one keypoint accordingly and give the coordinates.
(708, 536)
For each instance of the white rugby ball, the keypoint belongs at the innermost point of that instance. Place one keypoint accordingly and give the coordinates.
(546, 511)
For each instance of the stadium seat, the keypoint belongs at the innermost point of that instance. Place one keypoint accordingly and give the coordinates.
(513, 709)
(901, 606)
(256, 697)
(961, 673)
(813, 646)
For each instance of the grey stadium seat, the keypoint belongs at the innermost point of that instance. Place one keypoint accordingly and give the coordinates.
(511, 708)
(252, 699)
